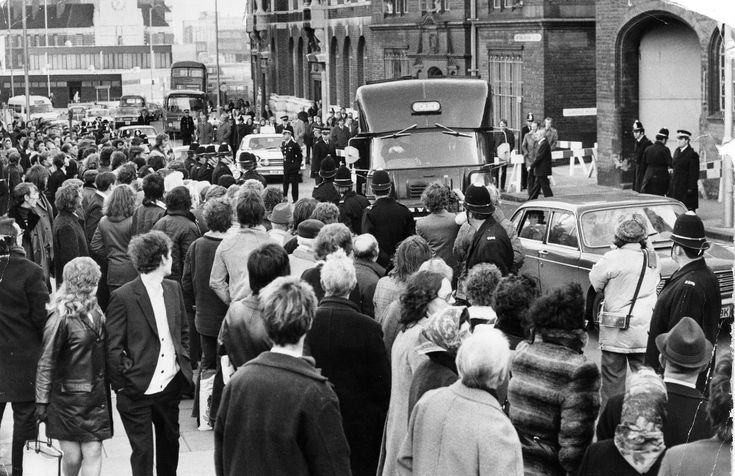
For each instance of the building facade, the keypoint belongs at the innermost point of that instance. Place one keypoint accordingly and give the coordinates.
(96, 48)
(662, 65)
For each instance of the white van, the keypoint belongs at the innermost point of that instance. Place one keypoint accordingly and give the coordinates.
(41, 107)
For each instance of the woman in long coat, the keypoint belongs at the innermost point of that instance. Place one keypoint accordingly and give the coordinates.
(71, 393)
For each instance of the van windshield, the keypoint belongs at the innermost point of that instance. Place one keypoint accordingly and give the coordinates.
(41, 108)
(182, 103)
(425, 149)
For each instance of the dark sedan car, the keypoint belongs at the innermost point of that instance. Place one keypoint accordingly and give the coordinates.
(564, 236)
(126, 116)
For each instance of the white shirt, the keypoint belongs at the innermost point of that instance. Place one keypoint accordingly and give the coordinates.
(679, 382)
(166, 367)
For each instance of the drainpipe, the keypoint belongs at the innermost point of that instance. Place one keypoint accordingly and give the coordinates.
(473, 39)
(726, 168)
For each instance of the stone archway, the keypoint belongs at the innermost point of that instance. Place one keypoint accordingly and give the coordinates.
(434, 72)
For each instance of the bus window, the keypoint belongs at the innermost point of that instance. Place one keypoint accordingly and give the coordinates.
(181, 103)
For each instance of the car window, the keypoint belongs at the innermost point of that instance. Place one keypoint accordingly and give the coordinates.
(534, 224)
(563, 229)
(598, 226)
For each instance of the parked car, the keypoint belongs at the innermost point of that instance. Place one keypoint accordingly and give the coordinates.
(267, 149)
(77, 112)
(148, 131)
(564, 236)
(91, 114)
(125, 116)
(155, 110)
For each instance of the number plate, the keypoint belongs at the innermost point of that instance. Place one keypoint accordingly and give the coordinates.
(726, 311)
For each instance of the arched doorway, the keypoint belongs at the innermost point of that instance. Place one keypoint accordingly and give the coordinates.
(670, 79)
(333, 71)
(346, 57)
(657, 80)
(434, 72)
(360, 61)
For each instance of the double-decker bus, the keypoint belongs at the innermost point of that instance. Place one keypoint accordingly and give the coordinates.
(190, 75)
(178, 101)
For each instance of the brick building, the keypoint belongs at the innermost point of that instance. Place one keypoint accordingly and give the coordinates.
(660, 64)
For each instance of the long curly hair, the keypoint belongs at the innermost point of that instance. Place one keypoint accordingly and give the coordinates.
(561, 308)
(421, 288)
(77, 294)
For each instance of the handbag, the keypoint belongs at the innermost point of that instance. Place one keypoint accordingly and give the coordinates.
(618, 320)
(41, 458)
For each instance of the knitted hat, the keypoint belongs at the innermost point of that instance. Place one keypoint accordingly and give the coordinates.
(689, 232)
(81, 275)
(442, 332)
(380, 181)
(631, 229)
(327, 169)
(343, 177)
(281, 214)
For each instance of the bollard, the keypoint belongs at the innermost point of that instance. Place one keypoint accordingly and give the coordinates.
(727, 178)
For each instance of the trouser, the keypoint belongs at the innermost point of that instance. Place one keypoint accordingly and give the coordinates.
(140, 416)
(499, 176)
(614, 368)
(186, 139)
(195, 350)
(524, 178)
(24, 428)
(529, 182)
(209, 352)
(540, 184)
(308, 154)
(292, 180)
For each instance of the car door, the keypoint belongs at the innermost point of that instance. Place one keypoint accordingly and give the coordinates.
(559, 259)
(532, 228)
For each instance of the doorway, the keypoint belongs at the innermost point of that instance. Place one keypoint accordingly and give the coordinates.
(75, 88)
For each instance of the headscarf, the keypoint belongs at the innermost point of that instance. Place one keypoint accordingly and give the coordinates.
(443, 331)
(639, 437)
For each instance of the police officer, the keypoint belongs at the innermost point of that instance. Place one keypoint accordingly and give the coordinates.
(248, 163)
(351, 205)
(187, 127)
(322, 148)
(199, 160)
(285, 125)
(657, 161)
(325, 191)
(206, 161)
(641, 144)
(223, 163)
(387, 220)
(692, 291)
(686, 172)
(191, 158)
(491, 243)
(292, 157)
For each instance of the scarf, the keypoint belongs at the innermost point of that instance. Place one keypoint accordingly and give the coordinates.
(639, 438)
(575, 339)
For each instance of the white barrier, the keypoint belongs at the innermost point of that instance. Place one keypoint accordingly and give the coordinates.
(576, 155)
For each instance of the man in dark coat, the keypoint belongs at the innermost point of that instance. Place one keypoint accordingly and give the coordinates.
(351, 205)
(641, 144)
(326, 190)
(686, 172)
(322, 148)
(692, 291)
(490, 243)
(541, 168)
(340, 134)
(148, 355)
(23, 297)
(657, 162)
(205, 130)
(285, 125)
(187, 127)
(248, 163)
(387, 220)
(309, 138)
(348, 346)
(684, 352)
(292, 157)
(299, 431)
(367, 270)
(525, 130)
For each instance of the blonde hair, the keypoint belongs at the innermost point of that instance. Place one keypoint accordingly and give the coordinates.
(338, 274)
(77, 294)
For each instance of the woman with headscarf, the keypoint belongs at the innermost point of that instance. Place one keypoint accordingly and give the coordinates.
(638, 444)
(554, 392)
(623, 274)
(71, 393)
(426, 293)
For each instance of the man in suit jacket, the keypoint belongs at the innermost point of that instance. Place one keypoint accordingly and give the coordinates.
(340, 134)
(684, 353)
(322, 148)
(686, 172)
(148, 355)
(541, 168)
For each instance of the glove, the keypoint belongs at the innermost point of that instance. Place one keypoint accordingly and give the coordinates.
(41, 411)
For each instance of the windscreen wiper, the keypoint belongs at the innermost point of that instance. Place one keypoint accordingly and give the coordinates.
(451, 132)
(401, 133)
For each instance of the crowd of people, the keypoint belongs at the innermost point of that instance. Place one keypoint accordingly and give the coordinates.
(331, 335)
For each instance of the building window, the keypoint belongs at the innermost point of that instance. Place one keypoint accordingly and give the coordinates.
(434, 6)
(395, 7)
(722, 88)
(396, 62)
(502, 4)
(507, 86)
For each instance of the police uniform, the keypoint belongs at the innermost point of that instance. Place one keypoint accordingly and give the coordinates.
(325, 191)
(685, 175)
(656, 160)
(351, 208)
(692, 291)
(292, 157)
(491, 243)
(187, 129)
(253, 175)
(387, 220)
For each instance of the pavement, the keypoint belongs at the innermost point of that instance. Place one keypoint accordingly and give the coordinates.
(711, 211)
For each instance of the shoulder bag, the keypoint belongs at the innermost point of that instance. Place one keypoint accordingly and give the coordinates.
(618, 320)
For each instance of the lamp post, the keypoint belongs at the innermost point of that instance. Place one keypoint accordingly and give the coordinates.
(9, 61)
(150, 43)
(25, 63)
(45, 53)
(216, 49)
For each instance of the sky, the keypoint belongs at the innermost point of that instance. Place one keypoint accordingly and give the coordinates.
(182, 10)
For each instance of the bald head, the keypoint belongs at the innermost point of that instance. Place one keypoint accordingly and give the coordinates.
(365, 247)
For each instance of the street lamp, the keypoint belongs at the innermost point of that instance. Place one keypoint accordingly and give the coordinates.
(216, 49)
(45, 53)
